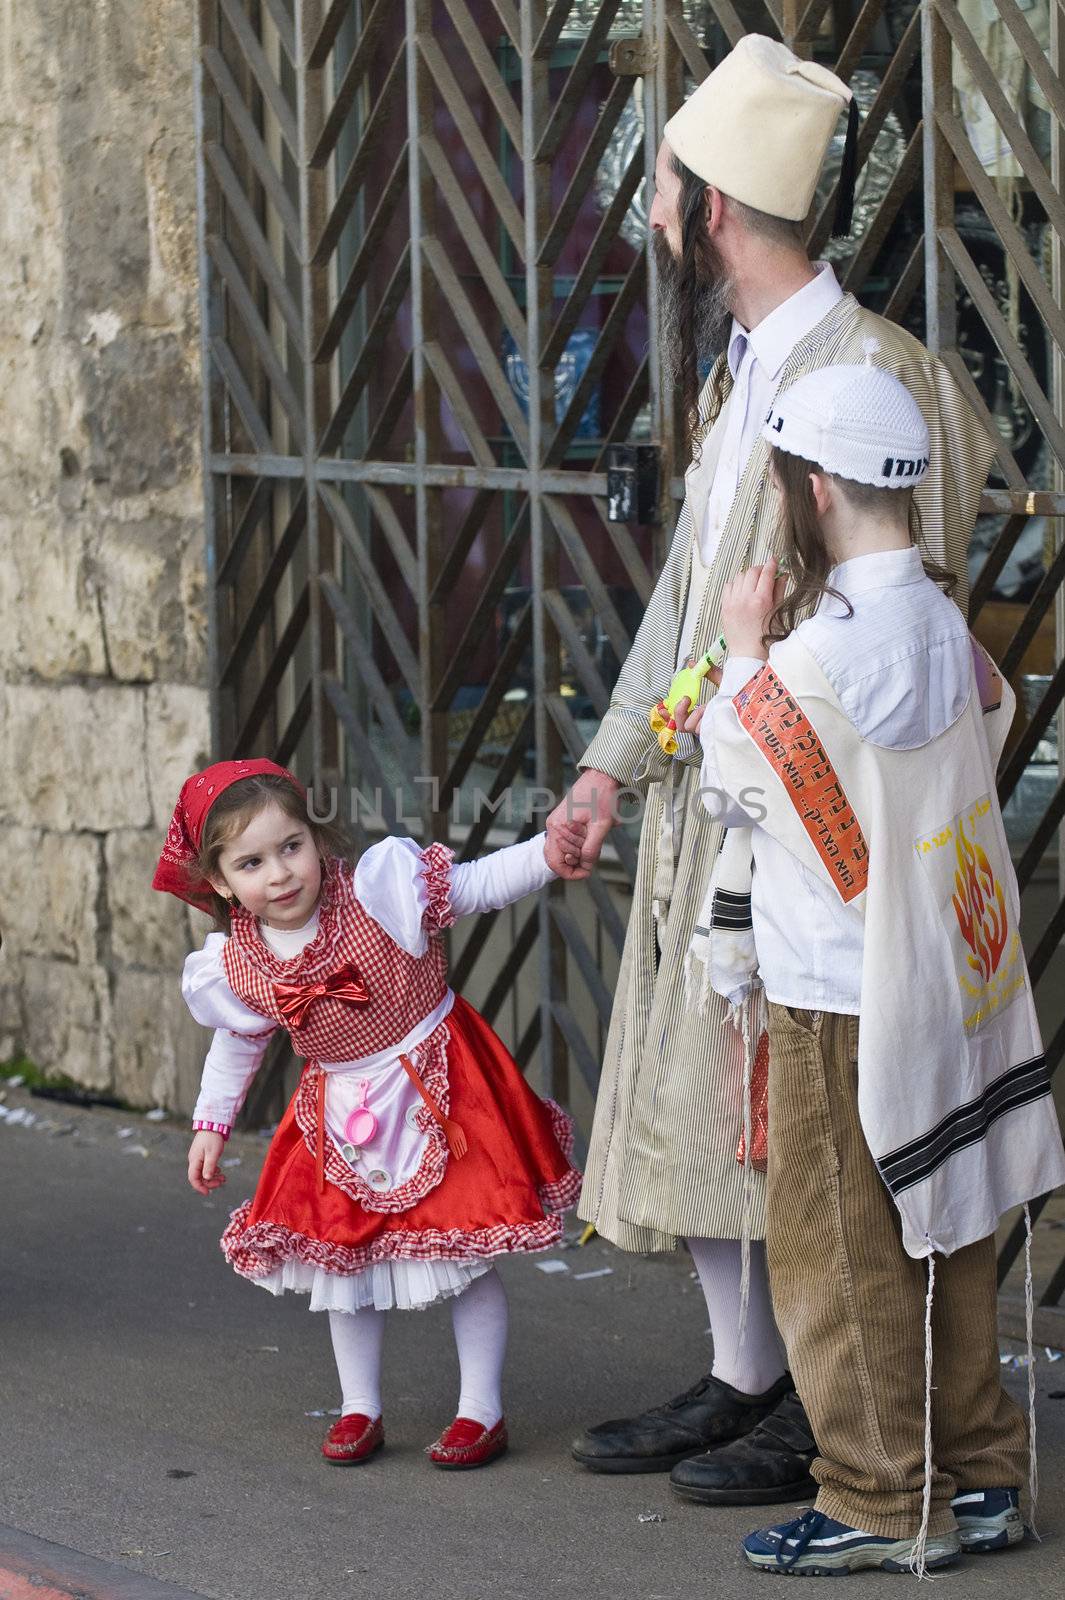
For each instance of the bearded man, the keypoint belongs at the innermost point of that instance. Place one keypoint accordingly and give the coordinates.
(735, 179)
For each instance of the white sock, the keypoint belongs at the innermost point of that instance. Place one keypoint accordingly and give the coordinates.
(357, 1337)
(761, 1360)
(479, 1315)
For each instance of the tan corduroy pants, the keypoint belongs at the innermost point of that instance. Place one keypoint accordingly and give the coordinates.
(850, 1304)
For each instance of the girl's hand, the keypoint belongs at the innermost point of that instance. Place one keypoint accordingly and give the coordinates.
(205, 1152)
(587, 810)
(746, 605)
(566, 840)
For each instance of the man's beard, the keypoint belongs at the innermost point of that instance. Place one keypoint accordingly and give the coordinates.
(695, 314)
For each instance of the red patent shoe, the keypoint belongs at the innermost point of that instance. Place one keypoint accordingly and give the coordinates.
(468, 1444)
(352, 1439)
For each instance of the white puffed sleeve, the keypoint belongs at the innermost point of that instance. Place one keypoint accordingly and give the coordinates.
(389, 886)
(413, 892)
(241, 1034)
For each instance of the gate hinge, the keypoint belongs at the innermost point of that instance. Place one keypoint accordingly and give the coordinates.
(632, 483)
(632, 58)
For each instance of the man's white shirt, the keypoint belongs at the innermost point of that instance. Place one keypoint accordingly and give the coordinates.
(755, 360)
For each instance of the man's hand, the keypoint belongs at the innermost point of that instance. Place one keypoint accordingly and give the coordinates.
(204, 1154)
(747, 603)
(589, 803)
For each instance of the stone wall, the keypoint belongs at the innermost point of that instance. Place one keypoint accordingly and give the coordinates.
(103, 702)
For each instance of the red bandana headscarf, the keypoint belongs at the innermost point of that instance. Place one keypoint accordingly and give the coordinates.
(198, 795)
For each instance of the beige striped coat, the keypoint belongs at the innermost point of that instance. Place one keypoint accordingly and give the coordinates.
(662, 1161)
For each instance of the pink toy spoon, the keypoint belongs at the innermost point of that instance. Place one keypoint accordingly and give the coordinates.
(361, 1125)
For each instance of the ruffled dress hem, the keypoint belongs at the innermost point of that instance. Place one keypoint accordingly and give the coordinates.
(259, 1249)
(385, 1286)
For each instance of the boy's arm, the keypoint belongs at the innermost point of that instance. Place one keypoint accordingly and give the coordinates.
(723, 805)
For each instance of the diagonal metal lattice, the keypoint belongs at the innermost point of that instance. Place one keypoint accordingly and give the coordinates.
(427, 316)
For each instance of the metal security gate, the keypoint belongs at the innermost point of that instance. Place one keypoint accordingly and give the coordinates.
(429, 312)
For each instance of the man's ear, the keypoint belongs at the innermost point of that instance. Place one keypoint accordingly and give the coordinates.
(715, 209)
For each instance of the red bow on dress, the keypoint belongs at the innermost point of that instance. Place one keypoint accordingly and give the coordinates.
(293, 999)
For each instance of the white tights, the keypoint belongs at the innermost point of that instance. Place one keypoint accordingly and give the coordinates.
(756, 1364)
(479, 1317)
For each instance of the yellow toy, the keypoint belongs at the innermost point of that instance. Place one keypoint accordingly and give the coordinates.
(687, 684)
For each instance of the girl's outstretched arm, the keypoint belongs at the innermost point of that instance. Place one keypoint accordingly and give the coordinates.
(497, 880)
(415, 893)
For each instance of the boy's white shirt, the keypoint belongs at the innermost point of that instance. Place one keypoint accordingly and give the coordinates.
(953, 1093)
(907, 682)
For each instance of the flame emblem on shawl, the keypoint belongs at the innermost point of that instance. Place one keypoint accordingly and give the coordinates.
(979, 905)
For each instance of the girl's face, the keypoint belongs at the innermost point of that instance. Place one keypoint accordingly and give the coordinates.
(273, 868)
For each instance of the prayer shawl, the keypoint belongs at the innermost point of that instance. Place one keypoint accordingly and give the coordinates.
(953, 1089)
(662, 1156)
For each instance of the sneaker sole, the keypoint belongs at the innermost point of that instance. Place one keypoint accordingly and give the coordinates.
(992, 1533)
(895, 1558)
(800, 1489)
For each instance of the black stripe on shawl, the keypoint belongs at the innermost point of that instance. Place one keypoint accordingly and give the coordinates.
(968, 1124)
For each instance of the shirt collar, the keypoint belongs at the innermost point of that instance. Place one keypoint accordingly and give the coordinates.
(885, 569)
(776, 335)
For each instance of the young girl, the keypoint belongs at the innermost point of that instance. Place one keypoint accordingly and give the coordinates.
(413, 1151)
(909, 1103)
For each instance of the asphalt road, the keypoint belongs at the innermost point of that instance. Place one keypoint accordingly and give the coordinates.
(153, 1410)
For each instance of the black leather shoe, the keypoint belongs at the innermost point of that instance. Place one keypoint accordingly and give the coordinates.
(709, 1413)
(770, 1464)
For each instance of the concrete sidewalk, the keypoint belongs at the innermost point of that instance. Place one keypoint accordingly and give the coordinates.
(153, 1410)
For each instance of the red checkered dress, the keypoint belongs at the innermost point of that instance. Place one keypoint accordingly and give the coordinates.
(402, 988)
(507, 1193)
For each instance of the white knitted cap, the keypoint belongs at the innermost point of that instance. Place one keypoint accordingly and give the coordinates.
(857, 422)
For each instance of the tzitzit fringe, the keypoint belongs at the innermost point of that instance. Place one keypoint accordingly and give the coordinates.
(741, 1019)
(920, 1544)
(1029, 1318)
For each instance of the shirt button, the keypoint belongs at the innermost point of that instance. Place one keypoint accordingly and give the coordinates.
(379, 1180)
(350, 1154)
(410, 1117)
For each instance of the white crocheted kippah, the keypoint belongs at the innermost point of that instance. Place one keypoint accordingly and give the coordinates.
(857, 422)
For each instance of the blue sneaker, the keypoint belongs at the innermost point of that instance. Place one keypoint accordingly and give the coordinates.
(989, 1519)
(814, 1546)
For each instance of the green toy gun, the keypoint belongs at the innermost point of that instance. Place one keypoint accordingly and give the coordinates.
(687, 684)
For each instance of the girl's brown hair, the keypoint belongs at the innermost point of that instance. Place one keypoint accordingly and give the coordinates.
(231, 814)
(805, 554)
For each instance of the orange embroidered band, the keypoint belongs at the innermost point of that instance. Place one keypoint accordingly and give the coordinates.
(788, 740)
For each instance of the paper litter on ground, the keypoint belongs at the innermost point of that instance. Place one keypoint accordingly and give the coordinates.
(600, 1272)
(551, 1266)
